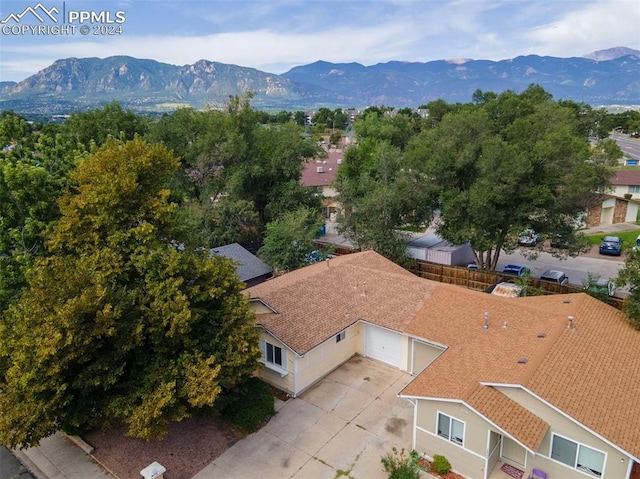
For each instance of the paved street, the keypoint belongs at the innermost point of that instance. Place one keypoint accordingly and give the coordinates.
(10, 467)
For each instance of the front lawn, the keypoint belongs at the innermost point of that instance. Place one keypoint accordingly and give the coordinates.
(628, 237)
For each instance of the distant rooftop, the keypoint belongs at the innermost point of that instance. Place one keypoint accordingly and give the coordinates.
(250, 266)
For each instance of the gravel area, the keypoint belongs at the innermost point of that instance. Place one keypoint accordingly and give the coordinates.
(188, 447)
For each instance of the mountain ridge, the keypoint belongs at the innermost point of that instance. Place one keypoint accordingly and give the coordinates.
(610, 77)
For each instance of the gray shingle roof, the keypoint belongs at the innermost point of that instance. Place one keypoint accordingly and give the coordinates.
(250, 265)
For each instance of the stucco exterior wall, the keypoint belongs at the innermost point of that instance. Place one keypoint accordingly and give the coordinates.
(616, 463)
(324, 358)
(423, 355)
(468, 459)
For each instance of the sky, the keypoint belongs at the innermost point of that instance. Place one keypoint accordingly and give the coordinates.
(276, 35)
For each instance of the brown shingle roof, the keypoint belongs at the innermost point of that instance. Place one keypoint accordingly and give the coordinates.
(626, 177)
(591, 372)
(329, 165)
(317, 302)
(510, 416)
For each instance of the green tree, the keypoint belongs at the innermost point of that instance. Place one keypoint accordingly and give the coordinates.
(118, 325)
(629, 276)
(110, 121)
(378, 196)
(514, 162)
(32, 177)
(290, 238)
(13, 128)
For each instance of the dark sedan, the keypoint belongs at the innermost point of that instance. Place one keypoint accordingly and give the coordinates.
(611, 245)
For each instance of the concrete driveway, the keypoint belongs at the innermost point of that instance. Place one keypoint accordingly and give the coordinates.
(339, 428)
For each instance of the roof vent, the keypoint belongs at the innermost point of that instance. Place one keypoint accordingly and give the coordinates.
(542, 335)
(523, 361)
(566, 301)
(570, 324)
(486, 321)
(320, 169)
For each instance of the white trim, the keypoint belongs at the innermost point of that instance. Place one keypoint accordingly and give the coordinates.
(561, 412)
(526, 453)
(258, 300)
(469, 451)
(412, 343)
(477, 413)
(579, 445)
(274, 367)
(451, 419)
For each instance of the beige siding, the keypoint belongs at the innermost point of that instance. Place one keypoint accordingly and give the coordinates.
(469, 459)
(274, 378)
(324, 358)
(259, 308)
(616, 463)
(423, 355)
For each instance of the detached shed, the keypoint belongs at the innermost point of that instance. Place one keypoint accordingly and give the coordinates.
(432, 248)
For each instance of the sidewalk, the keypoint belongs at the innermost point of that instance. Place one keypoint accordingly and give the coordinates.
(58, 458)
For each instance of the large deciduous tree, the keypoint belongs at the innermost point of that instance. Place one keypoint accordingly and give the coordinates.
(629, 276)
(118, 324)
(512, 162)
(378, 196)
(290, 238)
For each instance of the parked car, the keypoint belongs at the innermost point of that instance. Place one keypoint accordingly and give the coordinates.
(505, 289)
(528, 238)
(636, 246)
(474, 266)
(516, 270)
(560, 241)
(611, 245)
(555, 276)
(602, 286)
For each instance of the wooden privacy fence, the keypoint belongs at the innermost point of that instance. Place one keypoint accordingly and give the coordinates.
(475, 279)
(480, 280)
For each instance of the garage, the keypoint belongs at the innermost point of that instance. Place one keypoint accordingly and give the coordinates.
(383, 345)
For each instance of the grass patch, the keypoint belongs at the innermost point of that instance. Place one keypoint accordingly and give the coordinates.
(628, 237)
(412, 229)
(250, 407)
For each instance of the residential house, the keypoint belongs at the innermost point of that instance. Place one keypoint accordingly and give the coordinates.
(549, 382)
(251, 269)
(626, 182)
(612, 210)
(320, 174)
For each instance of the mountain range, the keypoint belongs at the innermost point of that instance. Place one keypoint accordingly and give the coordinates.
(601, 78)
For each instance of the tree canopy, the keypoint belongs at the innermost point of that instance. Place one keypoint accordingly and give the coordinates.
(118, 324)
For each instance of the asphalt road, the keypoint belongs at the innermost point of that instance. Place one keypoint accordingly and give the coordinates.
(629, 146)
(10, 467)
(577, 269)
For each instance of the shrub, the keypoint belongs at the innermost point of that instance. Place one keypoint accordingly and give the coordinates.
(441, 464)
(251, 407)
(399, 466)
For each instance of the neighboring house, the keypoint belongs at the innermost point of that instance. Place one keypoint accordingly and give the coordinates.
(626, 181)
(612, 210)
(320, 174)
(251, 269)
(431, 247)
(550, 382)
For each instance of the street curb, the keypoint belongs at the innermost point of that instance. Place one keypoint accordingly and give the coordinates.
(29, 464)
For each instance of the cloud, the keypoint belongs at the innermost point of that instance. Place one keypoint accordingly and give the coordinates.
(591, 26)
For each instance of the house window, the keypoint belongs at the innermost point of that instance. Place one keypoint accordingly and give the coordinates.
(577, 456)
(634, 189)
(450, 429)
(274, 354)
(339, 336)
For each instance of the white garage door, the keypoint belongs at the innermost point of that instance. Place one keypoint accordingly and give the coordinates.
(383, 345)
